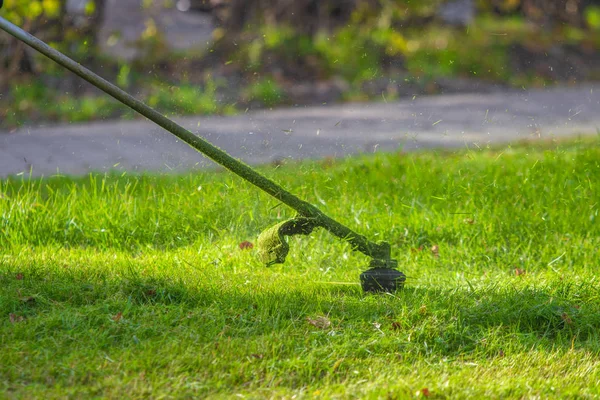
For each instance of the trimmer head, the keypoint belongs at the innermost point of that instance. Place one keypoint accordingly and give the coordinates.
(382, 277)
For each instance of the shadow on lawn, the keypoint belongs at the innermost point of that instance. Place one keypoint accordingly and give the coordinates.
(451, 321)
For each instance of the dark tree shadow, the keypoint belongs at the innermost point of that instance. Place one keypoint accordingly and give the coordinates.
(453, 321)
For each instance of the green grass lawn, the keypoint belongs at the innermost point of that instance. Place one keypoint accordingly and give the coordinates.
(136, 287)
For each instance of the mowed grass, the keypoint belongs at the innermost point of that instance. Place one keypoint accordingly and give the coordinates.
(136, 287)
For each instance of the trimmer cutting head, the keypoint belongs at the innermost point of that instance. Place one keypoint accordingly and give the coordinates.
(382, 277)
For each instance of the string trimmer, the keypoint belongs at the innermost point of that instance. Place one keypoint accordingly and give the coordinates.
(273, 247)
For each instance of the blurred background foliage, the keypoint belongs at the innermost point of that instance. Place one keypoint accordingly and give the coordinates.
(263, 53)
(73, 32)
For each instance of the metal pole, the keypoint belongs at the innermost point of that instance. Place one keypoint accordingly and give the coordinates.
(375, 250)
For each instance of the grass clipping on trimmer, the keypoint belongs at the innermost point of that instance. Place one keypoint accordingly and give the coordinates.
(272, 245)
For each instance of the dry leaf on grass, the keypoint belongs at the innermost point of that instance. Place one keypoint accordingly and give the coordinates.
(520, 272)
(565, 317)
(14, 318)
(319, 322)
(118, 317)
(435, 250)
(19, 276)
(396, 325)
(246, 245)
(416, 250)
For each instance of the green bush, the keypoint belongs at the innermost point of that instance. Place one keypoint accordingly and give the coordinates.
(187, 99)
(49, 21)
(266, 91)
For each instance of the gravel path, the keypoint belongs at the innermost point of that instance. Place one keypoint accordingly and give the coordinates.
(445, 121)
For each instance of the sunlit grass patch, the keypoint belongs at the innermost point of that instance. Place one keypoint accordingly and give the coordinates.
(136, 286)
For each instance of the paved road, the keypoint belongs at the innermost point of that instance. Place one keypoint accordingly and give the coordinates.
(125, 21)
(306, 132)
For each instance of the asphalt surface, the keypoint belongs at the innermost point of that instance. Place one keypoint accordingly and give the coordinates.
(444, 121)
(125, 21)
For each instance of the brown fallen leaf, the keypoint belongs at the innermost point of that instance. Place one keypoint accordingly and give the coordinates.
(396, 325)
(257, 356)
(14, 318)
(435, 250)
(118, 317)
(319, 322)
(151, 292)
(19, 276)
(245, 245)
(565, 317)
(425, 392)
(417, 250)
(520, 272)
